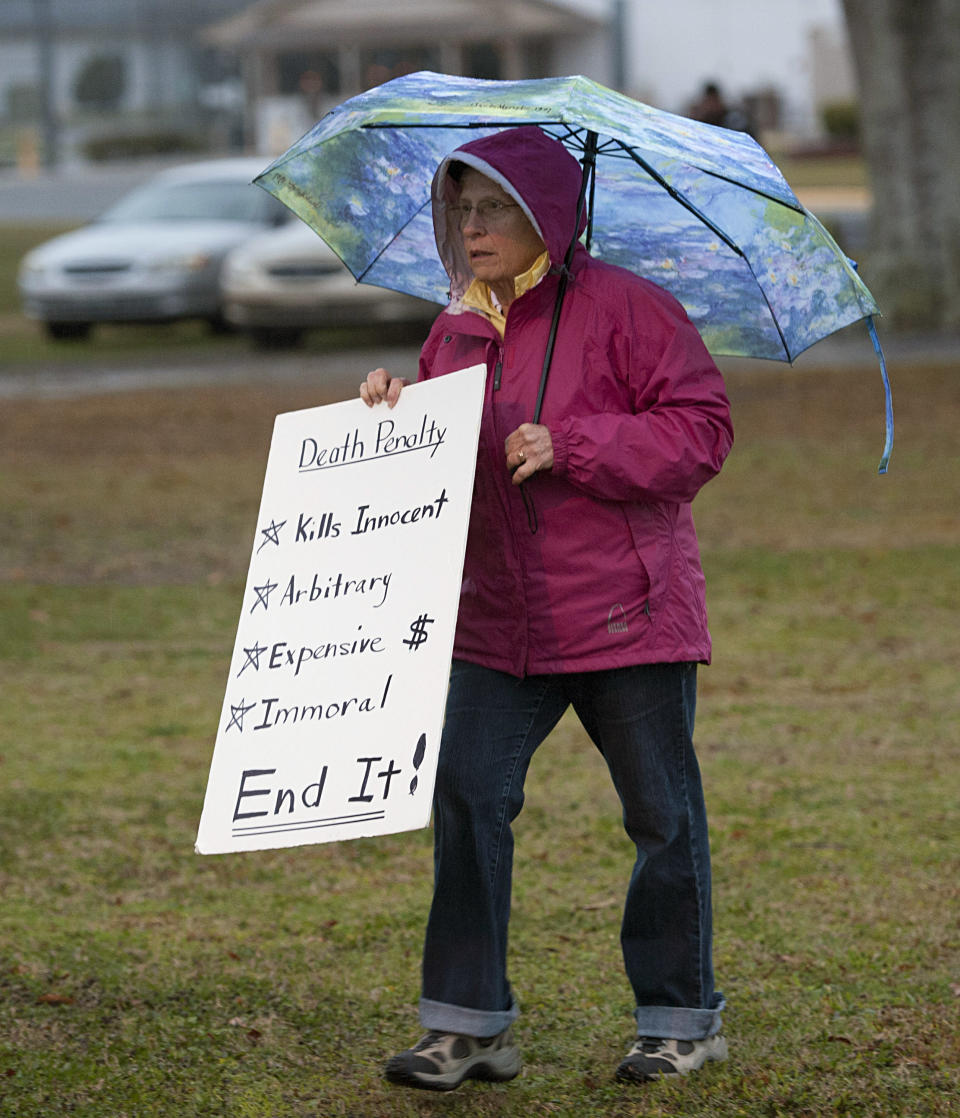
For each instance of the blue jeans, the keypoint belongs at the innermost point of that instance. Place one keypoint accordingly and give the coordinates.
(641, 719)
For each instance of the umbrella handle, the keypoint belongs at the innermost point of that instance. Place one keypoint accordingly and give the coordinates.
(589, 167)
(551, 341)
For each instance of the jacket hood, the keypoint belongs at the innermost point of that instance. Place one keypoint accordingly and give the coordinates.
(534, 169)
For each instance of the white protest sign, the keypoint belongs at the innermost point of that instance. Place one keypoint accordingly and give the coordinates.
(334, 705)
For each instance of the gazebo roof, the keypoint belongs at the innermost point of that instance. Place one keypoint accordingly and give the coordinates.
(288, 24)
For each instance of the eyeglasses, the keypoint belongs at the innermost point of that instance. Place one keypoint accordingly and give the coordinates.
(490, 211)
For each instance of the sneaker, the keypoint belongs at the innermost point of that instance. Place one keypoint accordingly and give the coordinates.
(652, 1057)
(442, 1061)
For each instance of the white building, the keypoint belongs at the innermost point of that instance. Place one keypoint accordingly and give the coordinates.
(298, 57)
(301, 57)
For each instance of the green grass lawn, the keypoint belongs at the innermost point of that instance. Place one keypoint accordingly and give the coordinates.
(139, 979)
(822, 170)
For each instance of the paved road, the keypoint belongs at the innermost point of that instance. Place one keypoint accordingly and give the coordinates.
(339, 373)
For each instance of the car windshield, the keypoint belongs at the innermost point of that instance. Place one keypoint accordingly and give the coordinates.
(196, 201)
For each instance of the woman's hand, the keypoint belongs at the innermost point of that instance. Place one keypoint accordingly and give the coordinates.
(529, 449)
(380, 387)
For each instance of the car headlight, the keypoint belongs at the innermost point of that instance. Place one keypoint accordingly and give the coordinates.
(181, 262)
(236, 269)
(31, 271)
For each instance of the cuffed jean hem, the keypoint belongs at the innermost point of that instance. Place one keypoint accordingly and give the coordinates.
(677, 1022)
(470, 1022)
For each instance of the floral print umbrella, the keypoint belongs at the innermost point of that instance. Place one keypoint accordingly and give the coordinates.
(700, 210)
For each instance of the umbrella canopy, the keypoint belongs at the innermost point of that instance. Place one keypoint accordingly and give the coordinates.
(700, 210)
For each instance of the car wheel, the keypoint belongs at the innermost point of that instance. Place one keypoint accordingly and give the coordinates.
(276, 337)
(218, 325)
(68, 331)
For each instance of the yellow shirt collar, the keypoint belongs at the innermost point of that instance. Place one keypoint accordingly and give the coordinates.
(479, 297)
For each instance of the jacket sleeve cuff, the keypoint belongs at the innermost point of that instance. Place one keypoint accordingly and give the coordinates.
(560, 451)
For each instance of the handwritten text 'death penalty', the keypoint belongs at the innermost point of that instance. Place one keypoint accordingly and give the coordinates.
(387, 441)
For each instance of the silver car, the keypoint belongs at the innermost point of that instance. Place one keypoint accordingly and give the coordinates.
(154, 256)
(280, 284)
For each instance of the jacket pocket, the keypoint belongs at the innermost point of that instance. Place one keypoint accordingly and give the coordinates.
(652, 534)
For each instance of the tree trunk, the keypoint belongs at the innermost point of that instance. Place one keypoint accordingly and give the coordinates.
(907, 57)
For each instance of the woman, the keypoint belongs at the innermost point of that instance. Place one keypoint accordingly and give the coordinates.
(582, 585)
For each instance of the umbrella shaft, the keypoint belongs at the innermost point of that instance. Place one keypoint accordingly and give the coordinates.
(589, 166)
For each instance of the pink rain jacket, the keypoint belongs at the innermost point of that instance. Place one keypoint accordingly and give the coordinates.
(639, 420)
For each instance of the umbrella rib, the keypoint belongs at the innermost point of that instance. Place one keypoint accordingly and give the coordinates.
(797, 208)
(360, 278)
(375, 124)
(678, 197)
(773, 316)
(683, 201)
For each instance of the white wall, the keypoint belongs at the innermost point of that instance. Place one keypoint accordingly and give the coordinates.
(17, 67)
(744, 45)
(591, 56)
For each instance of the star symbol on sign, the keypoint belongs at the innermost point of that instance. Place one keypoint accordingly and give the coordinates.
(271, 534)
(252, 658)
(237, 714)
(263, 595)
